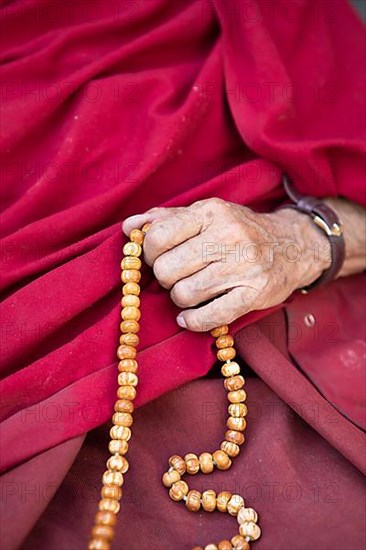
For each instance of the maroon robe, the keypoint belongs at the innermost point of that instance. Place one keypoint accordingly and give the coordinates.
(110, 108)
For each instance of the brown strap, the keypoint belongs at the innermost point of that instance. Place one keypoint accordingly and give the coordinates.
(326, 219)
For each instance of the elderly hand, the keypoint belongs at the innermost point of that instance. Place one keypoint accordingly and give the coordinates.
(228, 260)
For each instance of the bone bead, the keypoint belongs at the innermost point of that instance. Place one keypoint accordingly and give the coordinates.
(137, 236)
(234, 437)
(131, 262)
(130, 313)
(178, 490)
(128, 365)
(98, 544)
(219, 331)
(128, 379)
(231, 449)
(122, 419)
(192, 463)
(226, 354)
(131, 276)
(118, 463)
(111, 491)
(238, 410)
(124, 406)
(109, 505)
(224, 341)
(103, 532)
(126, 392)
(131, 288)
(129, 339)
(170, 477)
(247, 514)
(222, 460)
(206, 463)
(250, 529)
(193, 501)
(237, 424)
(230, 369)
(118, 446)
(239, 543)
(235, 503)
(105, 518)
(145, 227)
(222, 501)
(126, 352)
(237, 396)
(178, 463)
(132, 249)
(120, 432)
(234, 383)
(130, 300)
(130, 326)
(224, 545)
(209, 500)
(112, 478)
(210, 547)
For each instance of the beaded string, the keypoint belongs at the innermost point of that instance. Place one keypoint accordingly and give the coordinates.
(117, 465)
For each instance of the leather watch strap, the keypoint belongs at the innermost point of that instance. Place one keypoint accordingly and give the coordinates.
(326, 219)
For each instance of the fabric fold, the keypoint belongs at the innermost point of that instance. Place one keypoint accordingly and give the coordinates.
(92, 136)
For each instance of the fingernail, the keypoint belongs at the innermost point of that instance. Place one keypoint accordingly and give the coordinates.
(181, 322)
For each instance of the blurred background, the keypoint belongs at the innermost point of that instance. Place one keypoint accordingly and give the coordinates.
(360, 5)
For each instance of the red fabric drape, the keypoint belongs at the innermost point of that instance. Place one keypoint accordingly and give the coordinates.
(296, 467)
(301, 502)
(112, 109)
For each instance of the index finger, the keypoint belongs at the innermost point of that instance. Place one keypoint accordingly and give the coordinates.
(170, 232)
(138, 220)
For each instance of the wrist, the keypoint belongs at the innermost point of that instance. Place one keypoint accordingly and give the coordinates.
(313, 246)
(354, 219)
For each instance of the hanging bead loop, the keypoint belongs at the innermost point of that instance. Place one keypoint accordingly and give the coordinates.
(117, 465)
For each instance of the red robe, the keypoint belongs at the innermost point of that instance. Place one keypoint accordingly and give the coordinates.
(110, 108)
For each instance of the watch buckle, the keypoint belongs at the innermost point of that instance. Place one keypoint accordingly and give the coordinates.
(335, 230)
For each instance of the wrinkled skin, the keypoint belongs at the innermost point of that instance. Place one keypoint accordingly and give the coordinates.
(221, 260)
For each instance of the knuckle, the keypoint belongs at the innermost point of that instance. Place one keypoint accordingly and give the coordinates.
(216, 201)
(153, 243)
(215, 207)
(195, 324)
(155, 210)
(152, 238)
(211, 202)
(199, 204)
(162, 271)
(180, 294)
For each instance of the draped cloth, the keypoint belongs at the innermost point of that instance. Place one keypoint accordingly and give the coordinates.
(112, 107)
